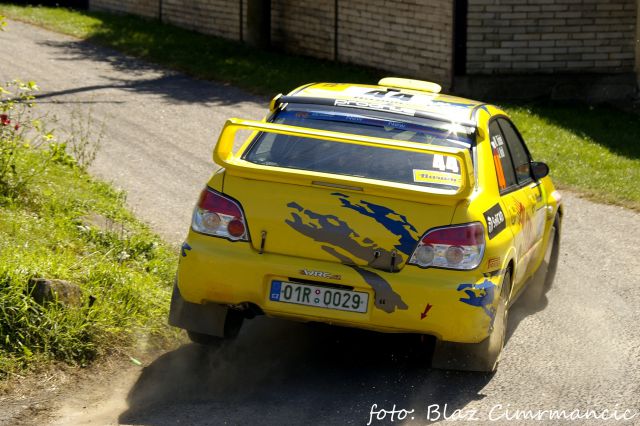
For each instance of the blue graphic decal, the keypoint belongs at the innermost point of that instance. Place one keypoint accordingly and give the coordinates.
(336, 238)
(481, 295)
(275, 291)
(184, 249)
(484, 107)
(394, 222)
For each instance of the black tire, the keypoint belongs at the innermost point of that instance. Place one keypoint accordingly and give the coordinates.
(204, 339)
(552, 255)
(483, 356)
(542, 279)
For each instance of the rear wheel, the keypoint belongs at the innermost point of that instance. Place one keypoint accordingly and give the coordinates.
(483, 356)
(552, 254)
(542, 280)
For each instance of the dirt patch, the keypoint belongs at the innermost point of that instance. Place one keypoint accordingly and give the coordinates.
(45, 396)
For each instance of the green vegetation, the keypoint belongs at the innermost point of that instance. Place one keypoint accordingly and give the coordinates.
(57, 222)
(207, 57)
(593, 150)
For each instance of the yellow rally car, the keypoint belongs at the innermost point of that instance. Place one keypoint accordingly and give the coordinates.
(390, 208)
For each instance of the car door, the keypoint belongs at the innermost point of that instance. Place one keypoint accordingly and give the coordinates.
(534, 213)
(516, 192)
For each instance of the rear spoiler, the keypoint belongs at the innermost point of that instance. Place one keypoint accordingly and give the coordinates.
(225, 156)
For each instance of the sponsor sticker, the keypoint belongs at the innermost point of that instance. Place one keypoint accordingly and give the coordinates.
(495, 221)
(319, 274)
(497, 148)
(442, 178)
(374, 105)
(498, 145)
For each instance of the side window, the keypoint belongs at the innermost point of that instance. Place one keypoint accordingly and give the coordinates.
(519, 156)
(501, 158)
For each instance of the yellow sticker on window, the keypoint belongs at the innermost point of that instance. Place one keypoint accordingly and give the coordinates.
(443, 178)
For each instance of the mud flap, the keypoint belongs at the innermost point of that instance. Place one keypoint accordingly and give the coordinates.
(540, 283)
(210, 319)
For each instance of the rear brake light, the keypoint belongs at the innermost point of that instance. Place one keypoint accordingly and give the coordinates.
(219, 216)
(452, 247)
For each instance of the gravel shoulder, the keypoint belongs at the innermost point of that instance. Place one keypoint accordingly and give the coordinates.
(580, 349)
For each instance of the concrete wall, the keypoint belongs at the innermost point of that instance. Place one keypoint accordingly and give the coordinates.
(148, 8)
(408, 37)
(216, 17)
(414, 38)
(543, 36)
(402, 36)
(305, 27)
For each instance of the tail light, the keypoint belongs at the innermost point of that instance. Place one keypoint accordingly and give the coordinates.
(451, 247)
(219, 216)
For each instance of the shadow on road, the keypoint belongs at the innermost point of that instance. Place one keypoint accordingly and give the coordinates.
(526, 305)
(144, 77)
(278, 372)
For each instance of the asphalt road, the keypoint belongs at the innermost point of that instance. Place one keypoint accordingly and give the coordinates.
(578, 350)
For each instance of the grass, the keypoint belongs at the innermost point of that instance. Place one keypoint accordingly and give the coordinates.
(202, 56)
(44, 233)
(592, 150)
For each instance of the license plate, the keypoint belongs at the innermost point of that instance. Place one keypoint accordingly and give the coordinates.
(323, 297)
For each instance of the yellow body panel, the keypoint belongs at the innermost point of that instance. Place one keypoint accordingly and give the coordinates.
(220, 271)
(286, 207)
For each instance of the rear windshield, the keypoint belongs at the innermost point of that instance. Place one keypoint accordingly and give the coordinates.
(434, 170)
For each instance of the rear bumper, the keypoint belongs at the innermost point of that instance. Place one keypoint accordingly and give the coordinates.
(461, 302)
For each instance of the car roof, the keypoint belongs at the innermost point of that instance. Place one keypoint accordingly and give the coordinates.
(453, 108)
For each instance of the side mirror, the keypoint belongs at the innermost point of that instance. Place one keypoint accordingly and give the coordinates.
(539, 169)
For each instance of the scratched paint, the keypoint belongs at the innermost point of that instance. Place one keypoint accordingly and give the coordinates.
(334, 233)
(481, 295)
(185, 247)
(394, 222)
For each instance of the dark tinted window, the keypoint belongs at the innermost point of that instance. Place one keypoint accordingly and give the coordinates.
(433, 170)
(519, 154)
(439, 171)
(501, 158)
